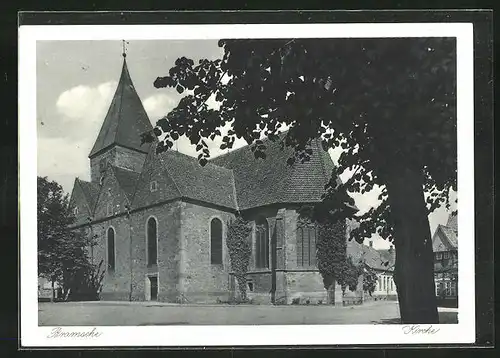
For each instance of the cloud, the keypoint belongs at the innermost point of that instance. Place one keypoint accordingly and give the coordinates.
(158, 105)
(82, 110)
(66, 139)
(84, 101)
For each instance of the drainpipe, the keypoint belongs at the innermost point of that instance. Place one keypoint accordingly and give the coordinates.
(127, 208)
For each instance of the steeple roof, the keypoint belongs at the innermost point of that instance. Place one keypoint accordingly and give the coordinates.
(126, 119)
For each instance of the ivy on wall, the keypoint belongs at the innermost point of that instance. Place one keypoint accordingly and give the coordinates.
(239, 248)
(331, 251)
(331, 245)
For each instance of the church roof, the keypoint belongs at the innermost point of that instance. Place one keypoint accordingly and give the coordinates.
(260, 182)
(90, 191)
(126, 119)
(127, 180)
(186, 178)
(236, 180)
(210, 183)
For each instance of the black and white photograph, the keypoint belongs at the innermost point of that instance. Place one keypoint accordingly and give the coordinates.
(233, 180)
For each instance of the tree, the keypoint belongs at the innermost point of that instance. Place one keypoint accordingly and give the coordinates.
(369, 280)
(62, 252)
(349, 274)
(389, 103)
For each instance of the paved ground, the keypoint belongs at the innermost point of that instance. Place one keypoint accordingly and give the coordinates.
(139, 314)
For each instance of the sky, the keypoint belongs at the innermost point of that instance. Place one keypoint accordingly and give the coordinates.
(76, 81)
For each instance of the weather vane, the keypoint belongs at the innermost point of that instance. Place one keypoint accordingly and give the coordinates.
(124, 44)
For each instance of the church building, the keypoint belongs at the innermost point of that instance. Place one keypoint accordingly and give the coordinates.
(161, 219)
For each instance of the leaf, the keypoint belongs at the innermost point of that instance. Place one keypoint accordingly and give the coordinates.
(179, 89)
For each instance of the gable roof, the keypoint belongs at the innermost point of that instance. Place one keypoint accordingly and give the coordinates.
(260, 182)
(382, 260)
(446, 236)
(90, 191)
(126, 119)
(188, 179)
(210, 183)
(444, 239)
(127, 180)
(453, 222)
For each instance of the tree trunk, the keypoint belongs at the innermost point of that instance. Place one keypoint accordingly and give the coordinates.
(414, 267)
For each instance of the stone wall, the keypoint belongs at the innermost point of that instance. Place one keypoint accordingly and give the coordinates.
(116, 284)
(201, 281)
(292, 282)
(132, 231)
(185, 273)
(167, 217)
(305, 286)
(129, 159)
(117, 156)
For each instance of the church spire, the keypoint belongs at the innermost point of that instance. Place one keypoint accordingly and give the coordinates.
(126, 118)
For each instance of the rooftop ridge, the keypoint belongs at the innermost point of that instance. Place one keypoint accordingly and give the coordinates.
(167, 152)
(232, 152)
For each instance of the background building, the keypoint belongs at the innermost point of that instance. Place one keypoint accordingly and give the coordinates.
(445, 247)
(381, 262)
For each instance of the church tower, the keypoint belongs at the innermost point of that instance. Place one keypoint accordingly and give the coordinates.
(119, 140)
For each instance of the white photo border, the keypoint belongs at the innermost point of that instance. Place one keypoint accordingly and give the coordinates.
(33, 335)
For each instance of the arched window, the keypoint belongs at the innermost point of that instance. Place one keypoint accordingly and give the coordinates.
(262, 243)
(306, 245)
(152, 242)
(216, 242)
(111, 249)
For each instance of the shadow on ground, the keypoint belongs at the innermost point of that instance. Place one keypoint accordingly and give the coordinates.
(444, 318)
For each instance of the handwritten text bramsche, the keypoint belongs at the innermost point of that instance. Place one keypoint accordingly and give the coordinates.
(58, 332)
